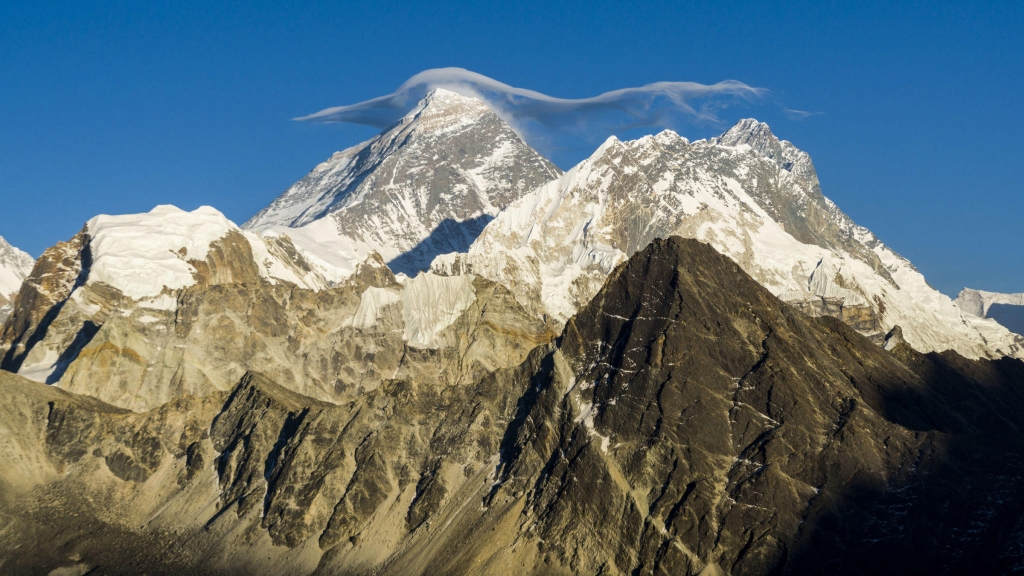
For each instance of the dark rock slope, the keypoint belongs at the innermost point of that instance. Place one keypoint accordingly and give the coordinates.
(686, 422)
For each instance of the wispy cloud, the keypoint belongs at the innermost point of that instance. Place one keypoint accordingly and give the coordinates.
(799, 114)
(552, 123)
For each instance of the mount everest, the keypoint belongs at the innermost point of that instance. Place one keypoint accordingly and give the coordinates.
(452, 175)
(427, 185)
(437, 353)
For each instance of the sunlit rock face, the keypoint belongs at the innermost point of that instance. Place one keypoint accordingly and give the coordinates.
(139, 309)
(676, 358)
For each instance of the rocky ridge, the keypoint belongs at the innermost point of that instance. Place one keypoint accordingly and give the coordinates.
(755, 199)
(686, 421)
(225, 401)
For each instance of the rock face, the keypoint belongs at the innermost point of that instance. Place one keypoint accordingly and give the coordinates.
(1006, 309)
(426, 186)
(686, 421)
(755, 199)
(15, 265)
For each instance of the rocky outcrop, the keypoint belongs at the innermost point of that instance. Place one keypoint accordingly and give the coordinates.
(41, 297)
(686, 422)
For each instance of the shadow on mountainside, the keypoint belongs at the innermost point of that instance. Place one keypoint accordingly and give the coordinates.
(957, 506)
(1010, 316)
(449, 236)
(706, 421)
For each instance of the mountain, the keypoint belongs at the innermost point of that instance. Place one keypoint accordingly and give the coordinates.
(139, 309)
(1006, 309)
(686, 421)
(677, 357)
(131, 268)
(753, 197)
(15, 265)
(427, 185)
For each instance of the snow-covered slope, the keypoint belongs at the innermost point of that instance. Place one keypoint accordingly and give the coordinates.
(426, 186)
(1005, 309)
(134, 266)
(138, 308)
(751, 196)
(144, 255)
(15, 265)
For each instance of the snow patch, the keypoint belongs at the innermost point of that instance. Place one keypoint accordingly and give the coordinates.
(372, 301)
(431, 303)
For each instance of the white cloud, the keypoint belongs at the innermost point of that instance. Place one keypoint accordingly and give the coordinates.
(554, 123)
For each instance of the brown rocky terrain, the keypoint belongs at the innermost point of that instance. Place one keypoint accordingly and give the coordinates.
(685, 422)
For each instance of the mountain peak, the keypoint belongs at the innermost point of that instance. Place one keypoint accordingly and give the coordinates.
(443, 108)
(758, 136)
(751, 132)
(427, 185)
(1006, 309)
(443, 96)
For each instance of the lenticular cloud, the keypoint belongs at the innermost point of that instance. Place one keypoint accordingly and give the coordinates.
(535, 115)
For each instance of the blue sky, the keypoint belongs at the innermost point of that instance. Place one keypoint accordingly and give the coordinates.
(116, 107)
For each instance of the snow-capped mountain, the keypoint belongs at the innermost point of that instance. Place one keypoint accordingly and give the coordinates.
(134, 266)
(138, 309)
(426, 186)
(15, 265)
(753, 197)
(1006, 309)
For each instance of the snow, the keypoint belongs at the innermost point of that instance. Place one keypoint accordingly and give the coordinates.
(431, 303)
(141, 254)
(15, 266)
(449, 160)
(978, 302)
(144, 255)
(333, 255)
(160, 302)
(372, 301)
(557, 244)
(41, 371)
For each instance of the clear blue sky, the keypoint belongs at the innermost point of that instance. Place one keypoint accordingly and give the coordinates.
(115, 107)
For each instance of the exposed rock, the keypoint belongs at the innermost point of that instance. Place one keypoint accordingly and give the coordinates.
(41, 298)
(135, 347)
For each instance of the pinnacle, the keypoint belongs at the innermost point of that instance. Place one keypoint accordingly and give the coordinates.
(751, 132)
